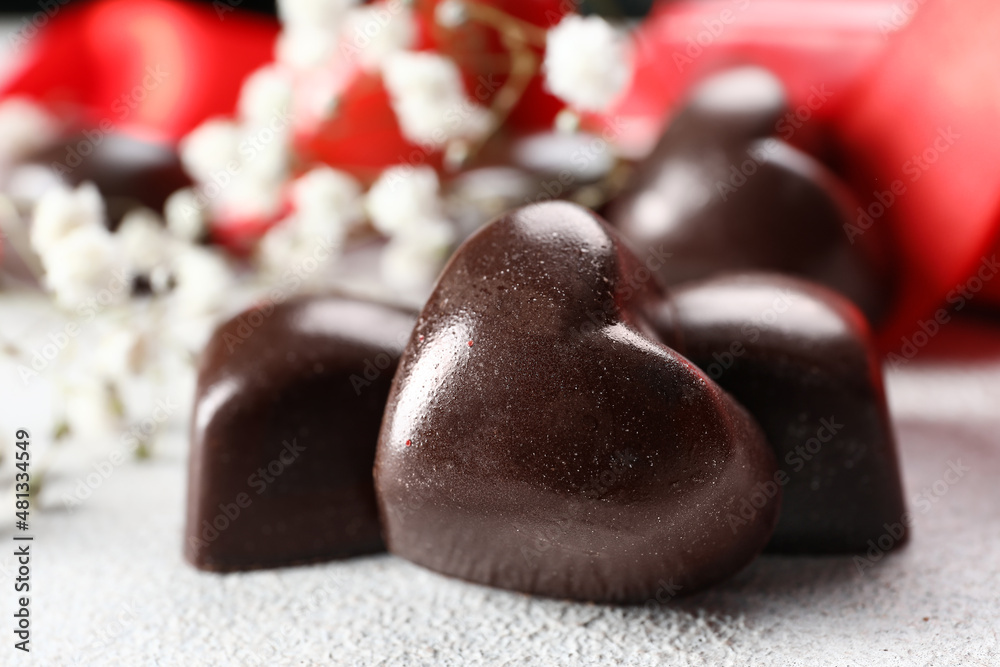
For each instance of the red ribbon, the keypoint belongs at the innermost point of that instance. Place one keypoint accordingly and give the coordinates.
(153, 69)
(920, 139)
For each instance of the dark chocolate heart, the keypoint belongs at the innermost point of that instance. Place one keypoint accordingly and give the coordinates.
(129, 172)
(539, 438)
(800, 358)
(722, 192)
(287, 413)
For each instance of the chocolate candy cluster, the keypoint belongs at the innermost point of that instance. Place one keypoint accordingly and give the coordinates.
(566, 416)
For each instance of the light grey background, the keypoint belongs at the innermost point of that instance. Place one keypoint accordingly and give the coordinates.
(110, 586)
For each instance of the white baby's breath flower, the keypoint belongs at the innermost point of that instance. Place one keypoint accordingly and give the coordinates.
(587, 62)
(266, 152)
(320, 13)
(125, 353)
(83, 265)
(27, 182)
(249, 184)
(78, 254)
(325, 194)
(240, 168)
(203, 282)
(247, 197)
(184, 216)
(451, 13)
(25, 127)
(61, 210)
(305, 47)
(279, 247)
(429, 99)
(266, 95)
(209, 148)
(410, 264)
(405, 205)
(292, 246)
(317, 96)
(373, 32)
(327, 203)
(122, 351)
(143, 241)
(402, 198)
(161, 279)
(89, 411)
(567, 121)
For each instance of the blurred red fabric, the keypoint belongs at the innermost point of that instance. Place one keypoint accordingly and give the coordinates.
(153, 69)
(907, 104)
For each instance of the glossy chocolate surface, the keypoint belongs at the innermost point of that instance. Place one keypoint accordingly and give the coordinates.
(800, 358)
(538, 438)
(722, 192)
(286, 420)
(129, 172)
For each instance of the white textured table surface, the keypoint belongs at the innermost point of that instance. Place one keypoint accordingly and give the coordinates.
(110, 588)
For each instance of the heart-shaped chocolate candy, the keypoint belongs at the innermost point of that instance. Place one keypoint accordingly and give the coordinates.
(287, 413)
(538, 437)
(722, 192)
(802, 361)
(128, 172)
